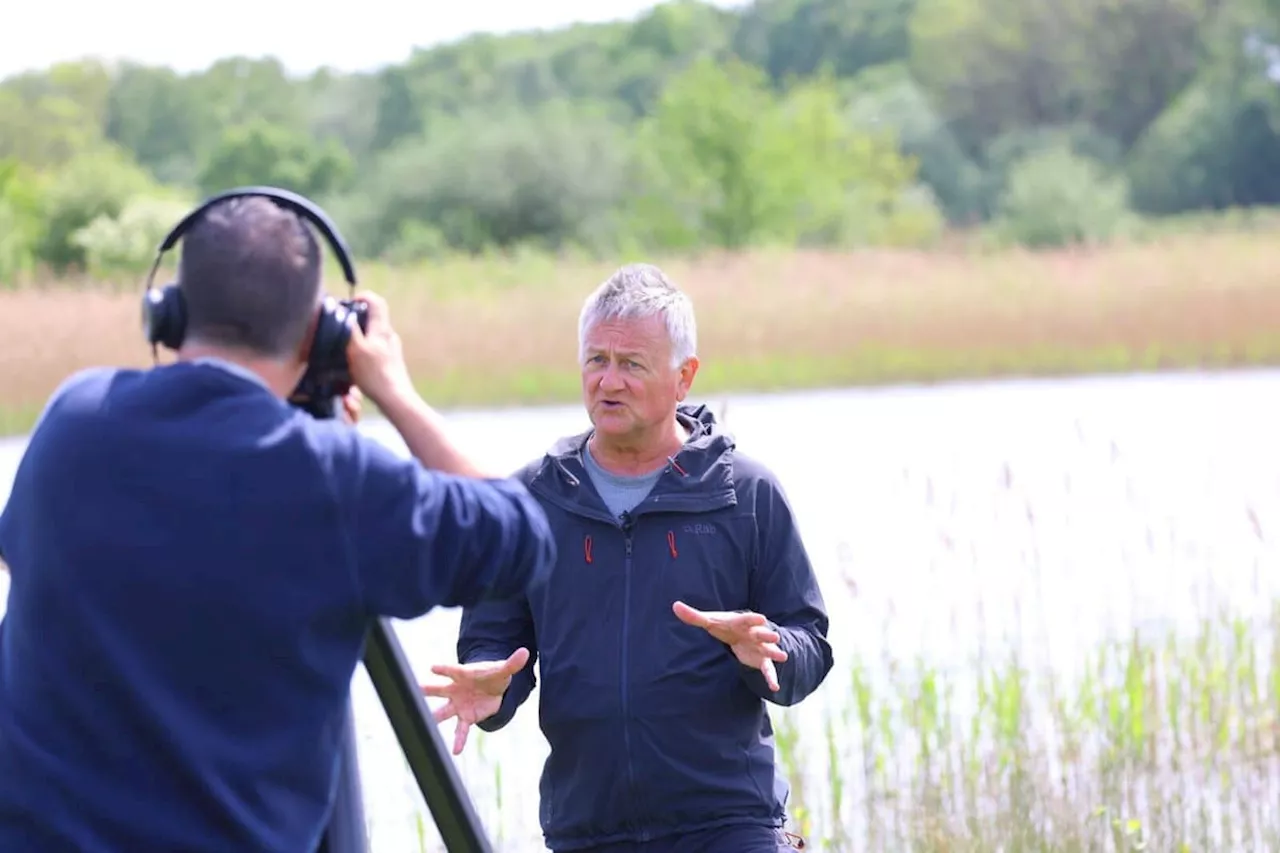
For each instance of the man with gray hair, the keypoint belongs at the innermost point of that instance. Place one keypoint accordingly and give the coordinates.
(681, 602)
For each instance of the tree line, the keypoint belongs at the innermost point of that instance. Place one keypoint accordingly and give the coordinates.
(785, 122)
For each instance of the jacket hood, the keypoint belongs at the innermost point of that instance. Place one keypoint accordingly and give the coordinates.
(701, 471)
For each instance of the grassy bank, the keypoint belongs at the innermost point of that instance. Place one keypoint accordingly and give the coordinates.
(503, 330)
(1165, 742)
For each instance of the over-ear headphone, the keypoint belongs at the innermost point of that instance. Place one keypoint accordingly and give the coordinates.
(164, 314)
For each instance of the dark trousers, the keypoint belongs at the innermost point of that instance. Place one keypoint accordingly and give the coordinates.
(728, 839)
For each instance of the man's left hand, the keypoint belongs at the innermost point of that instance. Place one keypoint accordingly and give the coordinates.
(747, 635)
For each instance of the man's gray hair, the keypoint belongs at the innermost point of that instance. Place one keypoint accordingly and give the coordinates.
(637, 291)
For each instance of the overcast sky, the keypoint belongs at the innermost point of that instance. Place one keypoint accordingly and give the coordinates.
(368, 33)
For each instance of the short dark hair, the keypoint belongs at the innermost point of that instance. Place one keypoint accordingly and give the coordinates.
(250, 274)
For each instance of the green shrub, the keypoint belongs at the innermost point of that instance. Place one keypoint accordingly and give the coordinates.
(125, 244)
(20, 221)
(1055, 197)
(94, 184)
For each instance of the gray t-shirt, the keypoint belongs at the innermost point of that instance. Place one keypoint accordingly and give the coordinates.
(621, 493)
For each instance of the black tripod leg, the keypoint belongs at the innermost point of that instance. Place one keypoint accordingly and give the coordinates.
(419, 737)
(415, 729)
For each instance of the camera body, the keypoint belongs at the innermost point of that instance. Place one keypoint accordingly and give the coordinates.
(328, 375)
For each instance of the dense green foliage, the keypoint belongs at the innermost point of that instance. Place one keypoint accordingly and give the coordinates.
(785, 122)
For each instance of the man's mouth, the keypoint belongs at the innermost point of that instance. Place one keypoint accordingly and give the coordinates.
(611, 404)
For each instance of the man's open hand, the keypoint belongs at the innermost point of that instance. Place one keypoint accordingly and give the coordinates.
(474, 691)
(747, 634)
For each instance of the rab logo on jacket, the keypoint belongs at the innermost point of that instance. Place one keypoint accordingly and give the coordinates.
(697, 529)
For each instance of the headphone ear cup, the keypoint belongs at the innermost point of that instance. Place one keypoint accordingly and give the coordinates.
(164, 316)
(329, 340)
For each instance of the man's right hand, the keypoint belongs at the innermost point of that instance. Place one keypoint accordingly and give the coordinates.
(474, 692)
(377, 367)
(376, 357)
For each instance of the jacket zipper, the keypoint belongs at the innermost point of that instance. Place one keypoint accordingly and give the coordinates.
(626, 522)
(628, 525)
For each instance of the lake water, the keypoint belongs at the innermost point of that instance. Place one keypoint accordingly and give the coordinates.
(943, 522)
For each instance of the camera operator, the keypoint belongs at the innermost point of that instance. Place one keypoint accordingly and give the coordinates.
(195, 563)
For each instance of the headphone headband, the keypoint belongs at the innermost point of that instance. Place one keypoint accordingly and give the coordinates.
(327, 374)
(294, 202)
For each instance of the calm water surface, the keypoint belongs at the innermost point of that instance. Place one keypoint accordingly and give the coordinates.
(943, 522)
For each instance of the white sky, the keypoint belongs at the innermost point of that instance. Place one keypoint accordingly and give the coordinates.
(363, 34)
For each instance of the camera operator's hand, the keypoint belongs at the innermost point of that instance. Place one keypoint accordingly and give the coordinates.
(474, 691)
(351, 406)
(376, 357)
(377, 367)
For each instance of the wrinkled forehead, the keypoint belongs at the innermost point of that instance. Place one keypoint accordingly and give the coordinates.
(630, 335)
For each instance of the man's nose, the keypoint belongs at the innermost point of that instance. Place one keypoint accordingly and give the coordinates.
(612, 377)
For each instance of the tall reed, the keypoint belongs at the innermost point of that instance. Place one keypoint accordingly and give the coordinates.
(1166, 742)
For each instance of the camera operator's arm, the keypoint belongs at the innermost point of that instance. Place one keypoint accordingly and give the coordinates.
(378, 368)
(421, 538)
(438, 530)
(426, 436)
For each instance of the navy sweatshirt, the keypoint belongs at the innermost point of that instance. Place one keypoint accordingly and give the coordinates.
(655, 729)
(194, 567)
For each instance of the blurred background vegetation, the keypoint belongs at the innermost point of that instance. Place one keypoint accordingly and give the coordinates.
(492, 181)
(780, 123)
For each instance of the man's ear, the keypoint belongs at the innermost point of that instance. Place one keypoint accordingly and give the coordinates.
(688, 370)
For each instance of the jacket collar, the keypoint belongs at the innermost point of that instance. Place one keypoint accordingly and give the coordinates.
(698, 478)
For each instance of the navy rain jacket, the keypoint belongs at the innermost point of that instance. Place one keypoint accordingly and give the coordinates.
(655, 728)
(195, 564)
